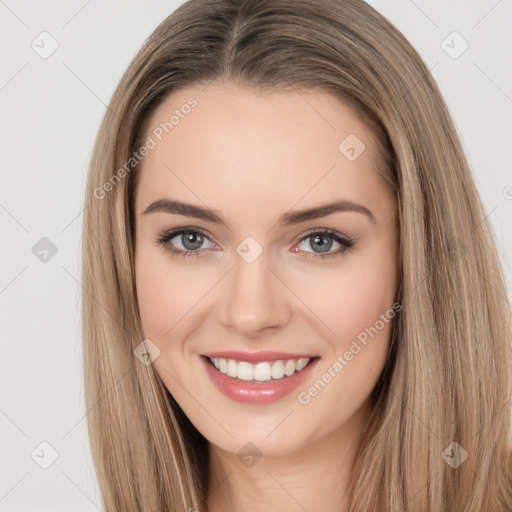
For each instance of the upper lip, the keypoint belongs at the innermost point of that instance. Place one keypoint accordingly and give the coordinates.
(257, 357)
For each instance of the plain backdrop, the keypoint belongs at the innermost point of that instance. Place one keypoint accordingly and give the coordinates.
(50, 109)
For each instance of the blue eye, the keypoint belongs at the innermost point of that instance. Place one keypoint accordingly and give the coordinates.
(320, 239)
(191, 240)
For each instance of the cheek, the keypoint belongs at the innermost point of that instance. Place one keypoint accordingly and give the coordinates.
(353, 297)
(156, 297)
(165, 292)
(360, 311)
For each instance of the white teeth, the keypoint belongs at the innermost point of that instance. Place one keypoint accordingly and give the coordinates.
(277, 371)
(301, 364)
(232, 368)
(289, 367)
(261, 372)
(245, 371)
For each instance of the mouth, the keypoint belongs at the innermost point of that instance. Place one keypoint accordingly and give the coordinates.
(264, 371)
(267, 378)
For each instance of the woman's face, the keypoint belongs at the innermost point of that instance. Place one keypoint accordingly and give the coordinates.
(241, 179)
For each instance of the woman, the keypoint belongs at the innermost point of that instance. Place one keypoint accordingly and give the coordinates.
(293, 298)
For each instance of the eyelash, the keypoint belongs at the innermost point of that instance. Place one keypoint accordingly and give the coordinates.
(166, 236)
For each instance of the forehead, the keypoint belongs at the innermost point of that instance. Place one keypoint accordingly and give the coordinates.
(234, 147)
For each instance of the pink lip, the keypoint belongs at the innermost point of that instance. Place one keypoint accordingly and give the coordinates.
(254, 392)
(257, 357)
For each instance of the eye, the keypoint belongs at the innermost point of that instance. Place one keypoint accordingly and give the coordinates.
(322, 239)
(192, 239)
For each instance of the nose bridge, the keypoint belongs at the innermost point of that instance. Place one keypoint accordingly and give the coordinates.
(255, 298)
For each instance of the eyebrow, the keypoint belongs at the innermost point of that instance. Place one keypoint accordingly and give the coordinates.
(287, 219)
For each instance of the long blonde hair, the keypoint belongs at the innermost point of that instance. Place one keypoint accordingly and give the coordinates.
(448, 377)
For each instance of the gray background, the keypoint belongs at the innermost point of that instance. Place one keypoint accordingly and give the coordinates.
(50, 110)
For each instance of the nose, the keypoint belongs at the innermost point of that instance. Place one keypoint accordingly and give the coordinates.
(255, 299)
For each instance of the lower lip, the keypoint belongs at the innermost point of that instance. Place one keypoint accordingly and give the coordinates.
(254, 392)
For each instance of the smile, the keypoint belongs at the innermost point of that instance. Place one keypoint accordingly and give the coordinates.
(269, 377)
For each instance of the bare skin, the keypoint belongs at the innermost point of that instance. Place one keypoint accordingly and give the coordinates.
(253, 158)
